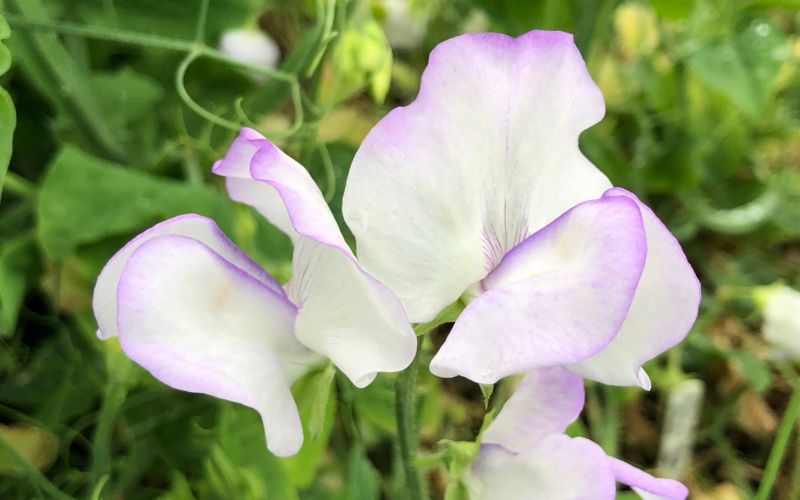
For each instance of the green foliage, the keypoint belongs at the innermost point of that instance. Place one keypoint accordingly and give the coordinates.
(84, 199)
(19, 266)
(8, 118)
(744, 67)
(702, 103)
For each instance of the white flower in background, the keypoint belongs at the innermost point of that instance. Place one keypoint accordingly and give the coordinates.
(405, 22)
(780, 306)
(251, 46)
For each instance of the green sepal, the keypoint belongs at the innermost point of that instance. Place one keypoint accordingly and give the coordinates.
(447, 315)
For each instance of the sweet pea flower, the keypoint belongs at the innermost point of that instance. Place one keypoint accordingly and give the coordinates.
(201, 316)
(477, 192)
(525, 455)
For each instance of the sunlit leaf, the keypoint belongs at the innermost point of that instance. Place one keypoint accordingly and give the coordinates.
(744, 67)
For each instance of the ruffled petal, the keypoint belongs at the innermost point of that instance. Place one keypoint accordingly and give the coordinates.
(558, 297)
(647, 486)
(344, 313)
(545, 402)
(104, 301)
(484, 157)
(663, 310)
(347, 315)
(235, 167)
(199, 323)
(558, 468)
(260, 174)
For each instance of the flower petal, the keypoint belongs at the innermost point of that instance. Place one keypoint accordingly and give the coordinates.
(484, 157)
(661, 314)
(235, 167)
(347, 315)
(559, 296)
(646, 485)
(558, 468)
(200, 228)
(201, 324)
(545, 402)
(260, 174)
(344, 313)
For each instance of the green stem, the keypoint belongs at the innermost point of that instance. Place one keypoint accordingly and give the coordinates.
(200, 31)
(19, 185)
(330, 174)
(611, 427)
(114, 398)
(406, 427)
(779, 449)
(100, 33)
(193, 50)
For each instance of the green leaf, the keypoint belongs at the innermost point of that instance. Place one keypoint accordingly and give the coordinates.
(673, 9)
(19, 268)
(57, 75)
(487, 390)
(8, 116)
(376, 404)
(313, 395)
(240, 466)
(84, 199)
(447, 315)
(744, 67)
(128, 101)
(756, 371)
(302, 467)
(364, 480)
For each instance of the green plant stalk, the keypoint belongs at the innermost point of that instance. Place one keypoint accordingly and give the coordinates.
(114, 398)
(779, 449)
(611, 427)
(19, 185)
(406, 427)
(193, 51)
(202, 17)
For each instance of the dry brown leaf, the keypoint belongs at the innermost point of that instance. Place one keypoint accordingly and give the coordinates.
(755, 416)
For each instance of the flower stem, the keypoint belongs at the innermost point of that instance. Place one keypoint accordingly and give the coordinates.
(778, 450)
(406, 425)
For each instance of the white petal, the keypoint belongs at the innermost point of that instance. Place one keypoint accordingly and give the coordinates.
(545, 402)
(104, 301)
(662, 312)
(256, 170)
(347, 315)
(485, 156)
(558, 297)
(201, 324)
(559, 468)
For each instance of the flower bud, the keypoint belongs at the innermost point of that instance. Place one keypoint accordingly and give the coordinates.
(251, 47)
(780, 306)
(405, 22)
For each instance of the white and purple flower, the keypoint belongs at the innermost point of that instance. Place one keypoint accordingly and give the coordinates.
(525, 455)
(201, 316)
(477, 191)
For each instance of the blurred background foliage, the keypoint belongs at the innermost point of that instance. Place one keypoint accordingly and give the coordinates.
(703, 124)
